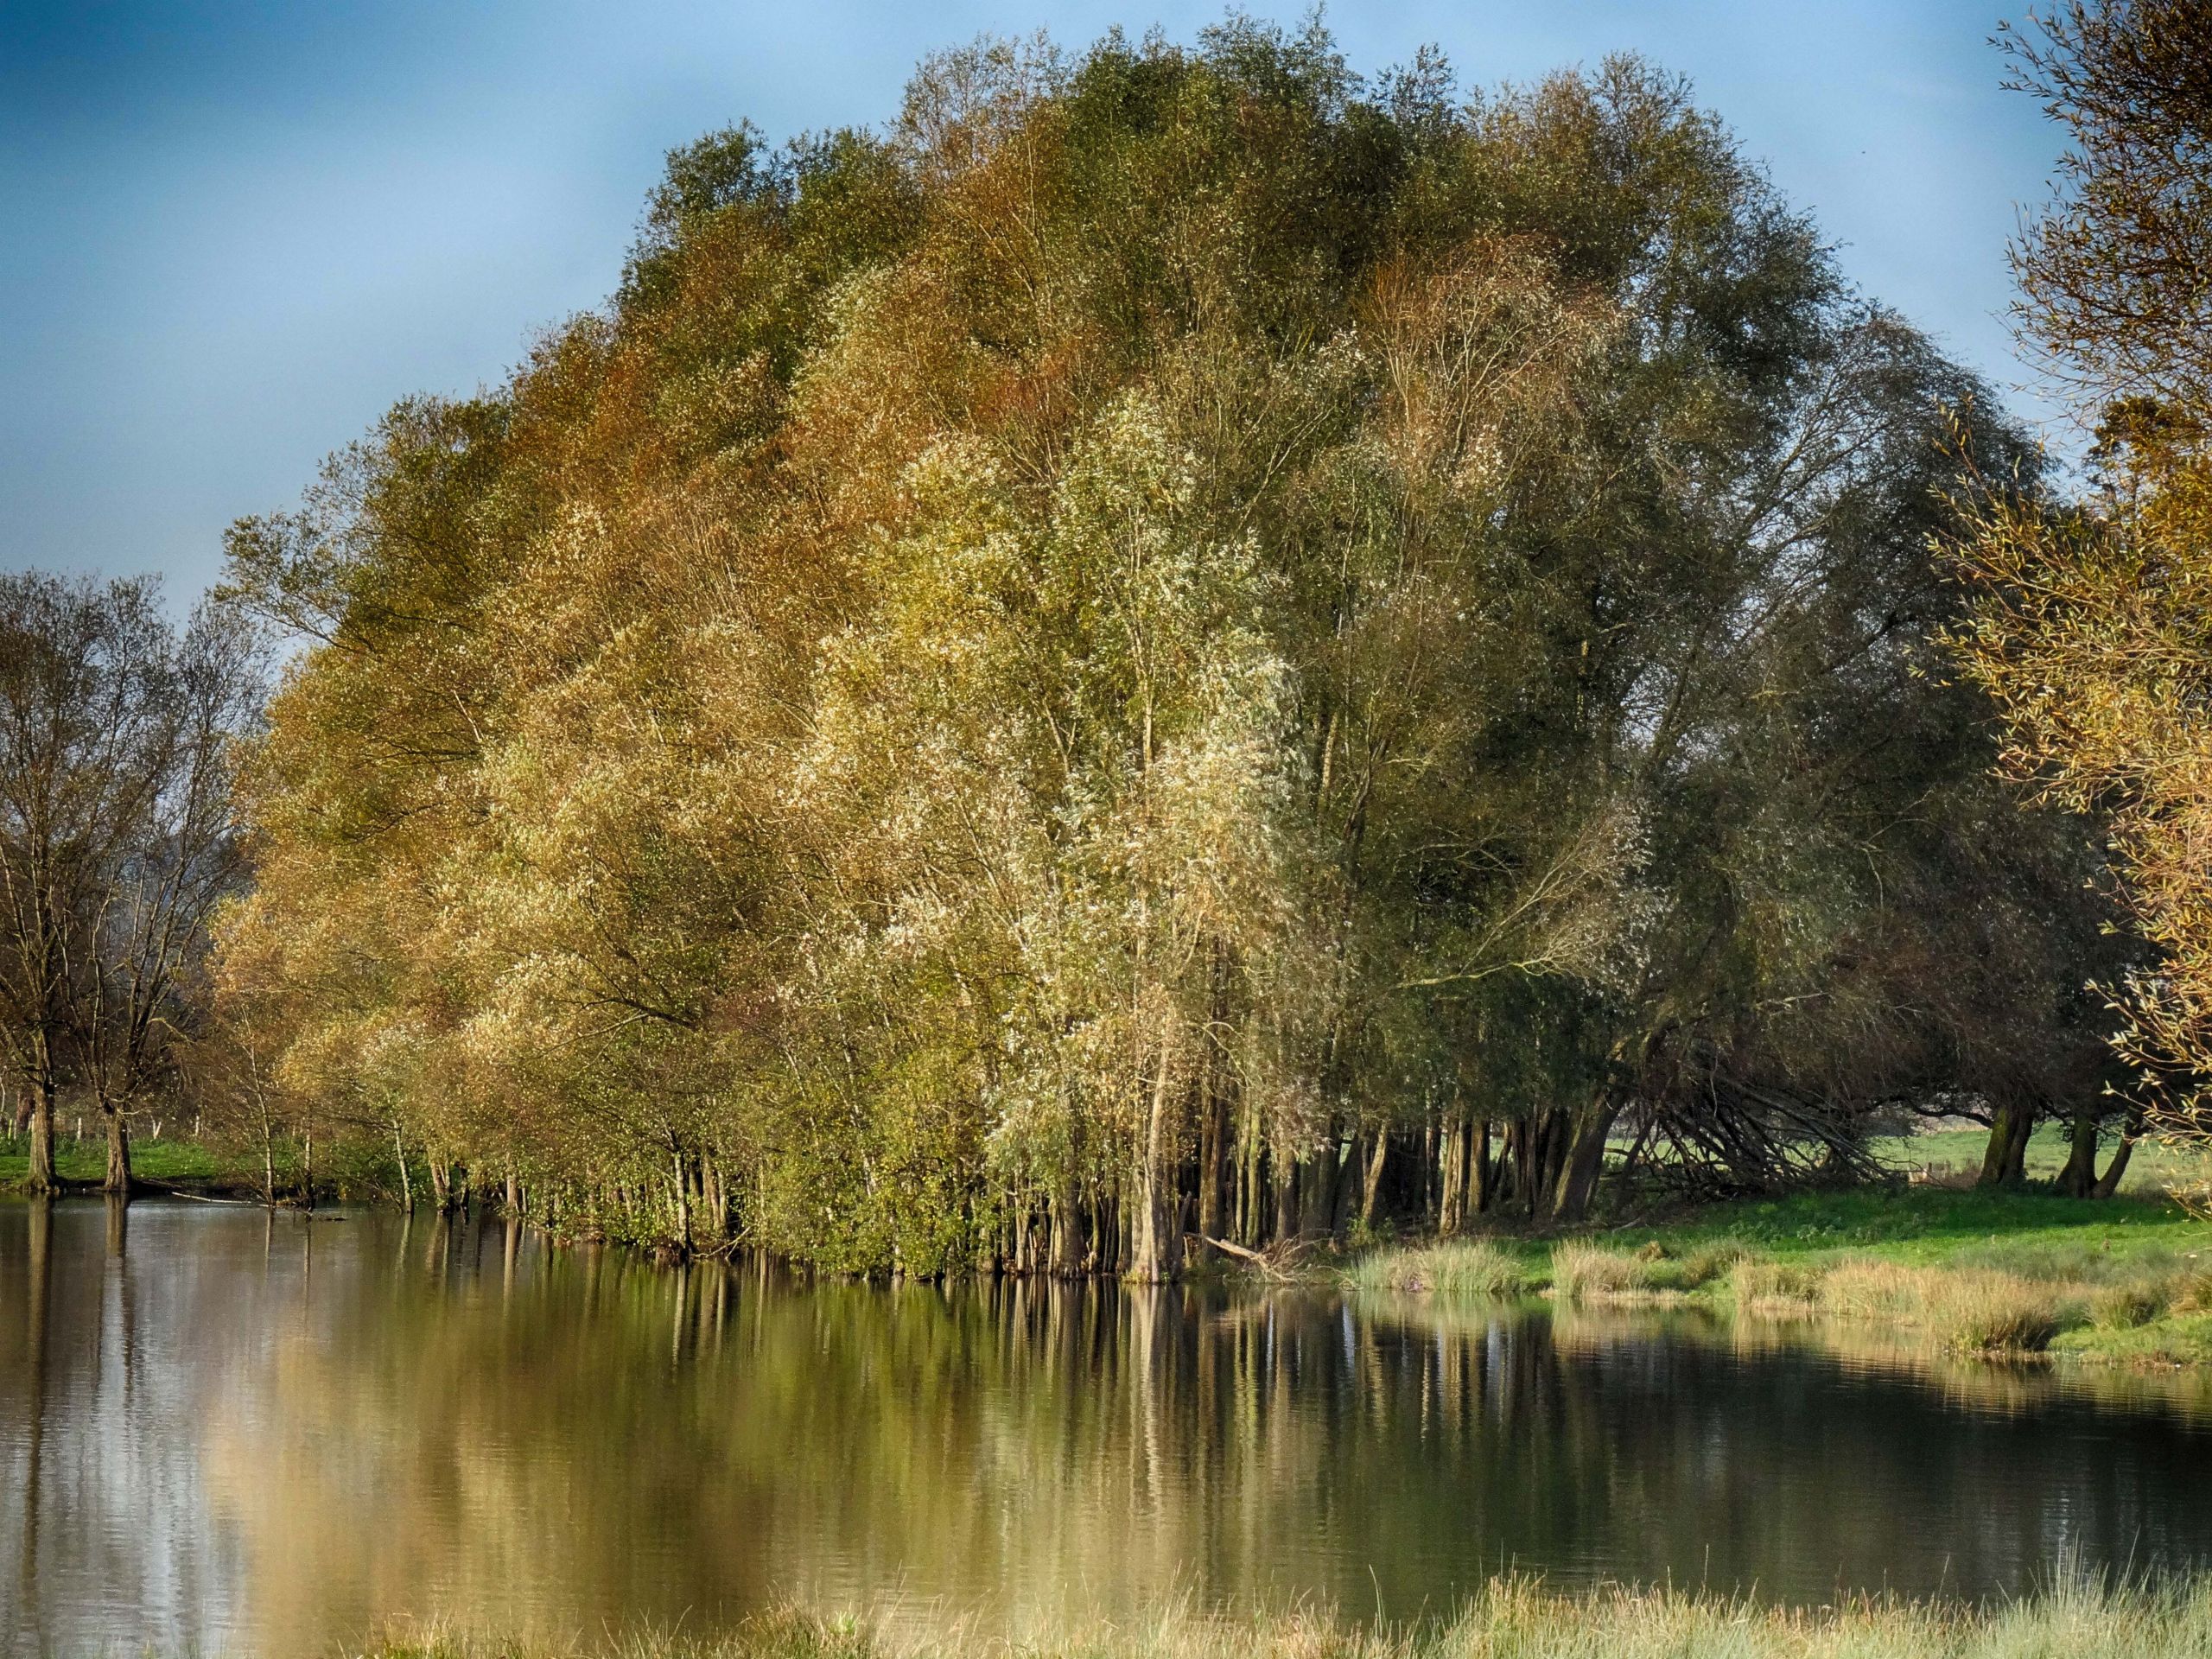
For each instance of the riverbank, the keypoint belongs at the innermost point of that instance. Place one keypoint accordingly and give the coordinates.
(2126, 1280)
(1518, 1620)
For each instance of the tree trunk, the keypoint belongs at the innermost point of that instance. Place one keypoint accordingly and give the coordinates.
(41, 1176)
(1156, 1252)
(1374, 1178)
(2108, 1182)
(1581, 1155)
(118, 1153)
(1282, 1172)
(406, 1181)
(2004, 1162)
(2079, 1179)
(1451, 1184)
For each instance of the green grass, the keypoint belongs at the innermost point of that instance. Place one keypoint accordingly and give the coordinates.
(1510, 1620)
(1956, 1154)
(185, 1162)
(2126, 1279)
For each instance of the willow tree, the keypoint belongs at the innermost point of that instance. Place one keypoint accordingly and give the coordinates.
(1148, 650)
(2090, 626)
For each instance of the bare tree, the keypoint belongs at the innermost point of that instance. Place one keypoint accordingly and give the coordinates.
(116, 836)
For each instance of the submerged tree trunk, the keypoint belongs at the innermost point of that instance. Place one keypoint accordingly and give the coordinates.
(39, 1178)
(406, 1182)
(118, 1152)
(1156, 1249)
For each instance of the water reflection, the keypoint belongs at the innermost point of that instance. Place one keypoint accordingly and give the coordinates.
(269, 1433)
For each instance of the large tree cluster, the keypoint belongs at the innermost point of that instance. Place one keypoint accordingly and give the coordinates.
(1177, 644)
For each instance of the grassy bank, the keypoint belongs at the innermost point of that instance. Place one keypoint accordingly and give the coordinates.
(1511, 1621)
(2126, 1279)
(181, 1163)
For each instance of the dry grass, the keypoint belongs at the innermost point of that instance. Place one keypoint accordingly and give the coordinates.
(1464, 1268)
(1968, 1310)
(1510, 1620)
(1780, 1286)
(1583, 1273)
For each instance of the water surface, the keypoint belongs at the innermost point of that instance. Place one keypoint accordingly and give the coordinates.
(268, 1435)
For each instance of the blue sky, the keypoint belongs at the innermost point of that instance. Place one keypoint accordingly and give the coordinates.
(235, 233)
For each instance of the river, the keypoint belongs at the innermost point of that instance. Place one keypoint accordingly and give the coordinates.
(229, 1432)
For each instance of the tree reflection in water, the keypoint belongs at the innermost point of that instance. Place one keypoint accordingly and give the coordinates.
(232, 1429)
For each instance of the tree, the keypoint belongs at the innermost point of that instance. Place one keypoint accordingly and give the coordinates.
(1166, 646)
(115, 839)
(2091, 626)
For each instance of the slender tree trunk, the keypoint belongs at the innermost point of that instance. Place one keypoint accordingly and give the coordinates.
(406, 1181)
(1451, 1198)
(683, 1207)
(2108, 1182)
(1481, 1172)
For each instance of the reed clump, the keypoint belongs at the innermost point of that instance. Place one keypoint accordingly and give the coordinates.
(1584, 1272)
(1458, 1268)
(1968, 1310)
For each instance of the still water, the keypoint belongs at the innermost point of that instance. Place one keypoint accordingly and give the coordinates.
(230, 1433)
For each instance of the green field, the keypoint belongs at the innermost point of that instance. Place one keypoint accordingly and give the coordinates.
(1956, 1154)
(186, 1163)
(2126, 1278)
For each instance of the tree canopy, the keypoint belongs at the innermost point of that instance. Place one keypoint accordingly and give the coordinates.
(2091, 626)
(1177, 642)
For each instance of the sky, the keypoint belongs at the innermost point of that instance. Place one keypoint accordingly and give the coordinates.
(232, 235)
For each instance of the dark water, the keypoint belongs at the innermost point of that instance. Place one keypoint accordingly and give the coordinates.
(222, 1431)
